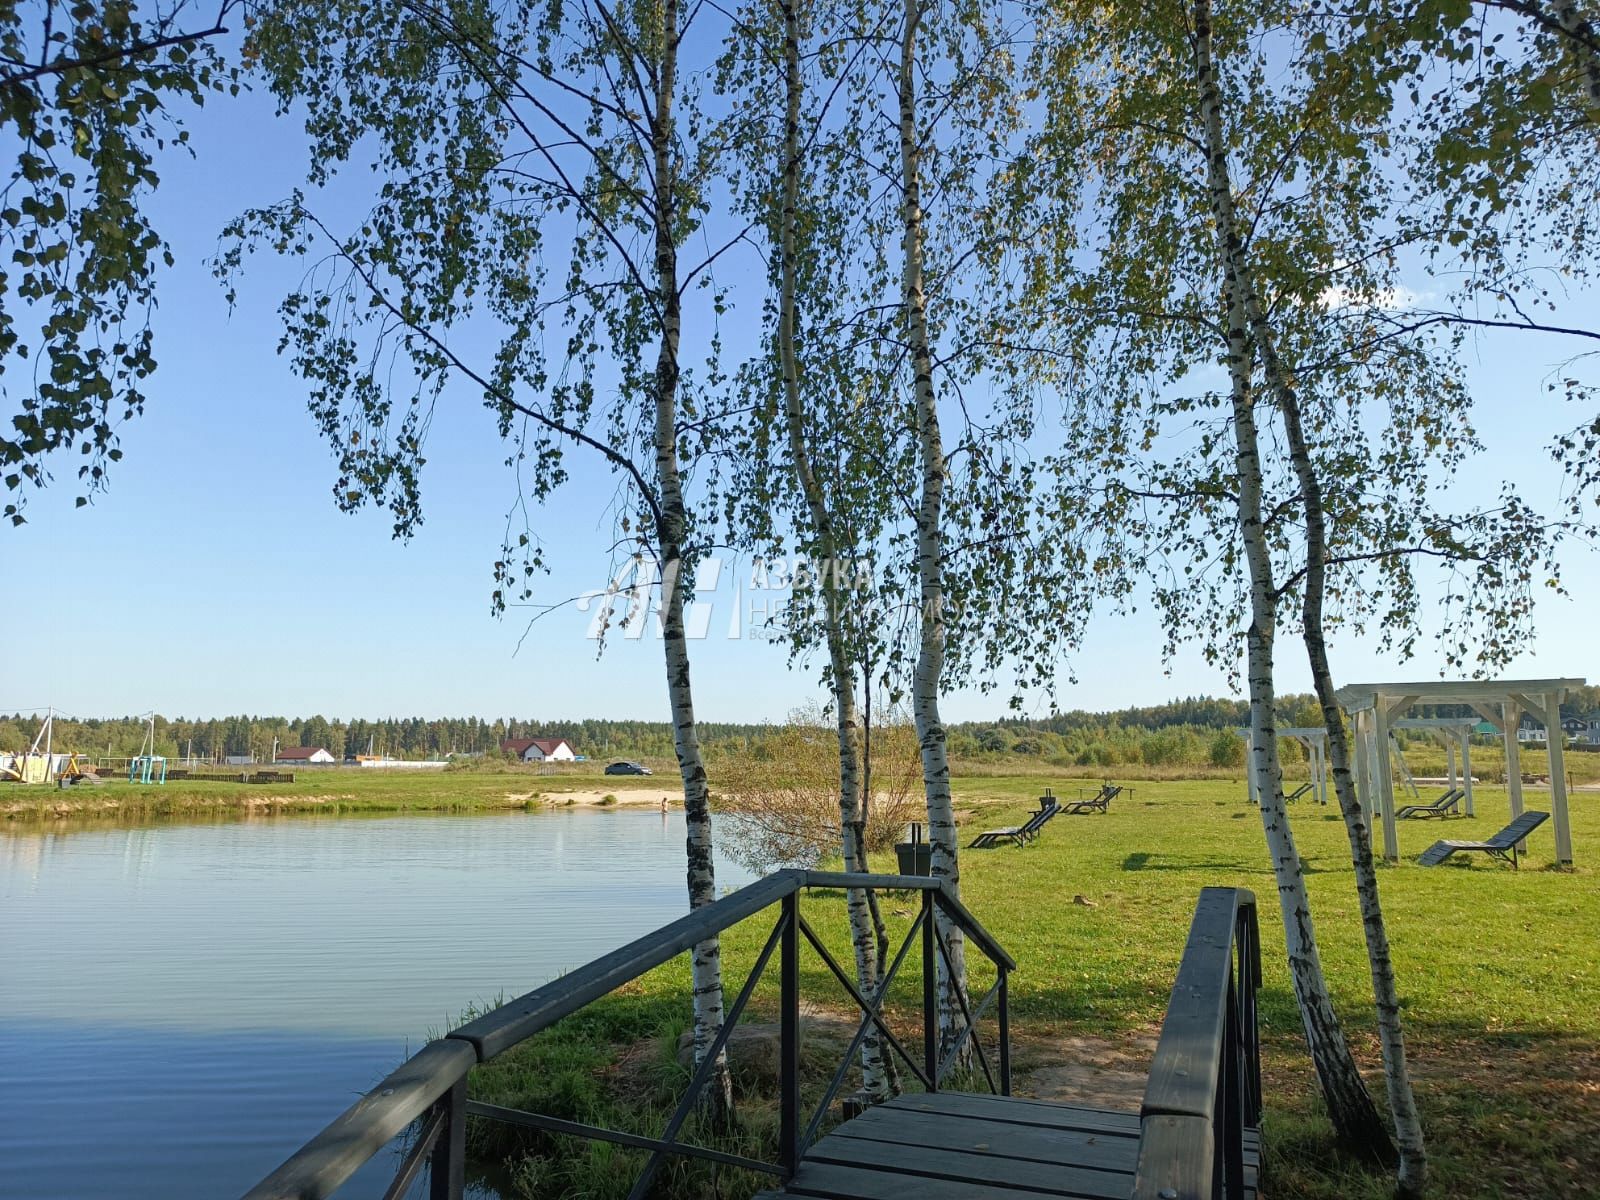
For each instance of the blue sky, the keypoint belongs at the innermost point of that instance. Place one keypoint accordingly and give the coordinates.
(216, 575)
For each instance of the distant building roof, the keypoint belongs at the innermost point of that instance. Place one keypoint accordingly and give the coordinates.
(292, 753)
(547, 746)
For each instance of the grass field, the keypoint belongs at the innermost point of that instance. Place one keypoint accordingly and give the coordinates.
(1499, 973)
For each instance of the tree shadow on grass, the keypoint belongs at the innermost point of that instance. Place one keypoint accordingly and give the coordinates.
(1145, 861)
(1507, 1112)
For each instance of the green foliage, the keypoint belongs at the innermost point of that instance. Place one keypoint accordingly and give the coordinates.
(1128, 290)
(87, 91)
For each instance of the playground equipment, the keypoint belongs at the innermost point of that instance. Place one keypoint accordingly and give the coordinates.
(32, 765)
(148, 766)
(75, 772)
(1315, 739)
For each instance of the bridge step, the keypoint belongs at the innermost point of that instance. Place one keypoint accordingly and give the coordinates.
(950, 1145)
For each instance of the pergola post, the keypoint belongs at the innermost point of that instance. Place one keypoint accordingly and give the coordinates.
(1449, 759)
(1249, 767)
(1363, 785)
(1556, 740)
(1321, 745)
(1513, 718)
(1376, 709)
(1391, 836)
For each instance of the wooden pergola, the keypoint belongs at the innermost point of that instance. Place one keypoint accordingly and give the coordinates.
(1315, 740)
(1377, 708)
(1454, 732)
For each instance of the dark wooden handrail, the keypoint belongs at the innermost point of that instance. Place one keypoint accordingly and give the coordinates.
(431, 1085)
(1204, 1090)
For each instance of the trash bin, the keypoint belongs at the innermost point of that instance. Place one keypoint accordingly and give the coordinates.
(915, 854)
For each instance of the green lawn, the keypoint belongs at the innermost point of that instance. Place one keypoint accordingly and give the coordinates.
(1499, 972)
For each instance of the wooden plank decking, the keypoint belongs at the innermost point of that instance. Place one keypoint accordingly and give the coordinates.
(953, 1145)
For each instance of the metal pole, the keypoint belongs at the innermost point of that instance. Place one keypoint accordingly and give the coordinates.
(789, 1038)
(930, 994)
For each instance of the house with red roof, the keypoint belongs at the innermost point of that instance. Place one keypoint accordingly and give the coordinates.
(305, 755)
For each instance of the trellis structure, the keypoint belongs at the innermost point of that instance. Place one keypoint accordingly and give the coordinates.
(1315, 740)
(1454, 732)
(1377, 708)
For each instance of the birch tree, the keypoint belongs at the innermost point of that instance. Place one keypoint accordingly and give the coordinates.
(496, 134)
(1301, 252)
(1250, 333)
(810, 245)
(976, 569)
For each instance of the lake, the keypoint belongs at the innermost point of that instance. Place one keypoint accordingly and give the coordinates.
(181, 1005)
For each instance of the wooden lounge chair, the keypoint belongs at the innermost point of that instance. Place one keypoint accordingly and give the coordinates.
(1447, 805)
(1099, 802)
(1017, 834)
(1502, 845)
(1299, 791)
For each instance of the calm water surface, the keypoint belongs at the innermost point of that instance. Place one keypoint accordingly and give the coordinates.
(182, 1005)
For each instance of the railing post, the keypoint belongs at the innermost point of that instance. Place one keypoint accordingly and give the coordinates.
(1249, 940)
(789, 1038)
(447, 1166)
(1230, 1121)
(930, 991)
(1005, 1030)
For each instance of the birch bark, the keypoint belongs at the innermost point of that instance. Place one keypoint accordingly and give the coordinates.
(1355, 1117)
(875, 1082)
(929, 672)
(706, 957)
(1413, 1166)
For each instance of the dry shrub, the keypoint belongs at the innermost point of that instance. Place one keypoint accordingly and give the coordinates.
(778, 798)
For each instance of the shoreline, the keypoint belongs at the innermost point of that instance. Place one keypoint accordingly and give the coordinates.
(112, 802)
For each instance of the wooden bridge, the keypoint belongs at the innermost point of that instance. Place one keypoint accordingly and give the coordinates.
(1195, 1137)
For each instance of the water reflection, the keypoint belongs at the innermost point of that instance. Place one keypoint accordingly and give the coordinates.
(188, 1002)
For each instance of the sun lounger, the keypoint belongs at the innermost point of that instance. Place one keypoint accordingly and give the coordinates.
(1447, 805)
(1502, 845)
(1299, 791)
(1017, 834)
(1099, 802)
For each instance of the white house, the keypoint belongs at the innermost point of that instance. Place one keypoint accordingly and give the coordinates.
(306, 755)
(539, 749)
(1529, 730)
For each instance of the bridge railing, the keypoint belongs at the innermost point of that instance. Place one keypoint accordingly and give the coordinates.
(429, 1090)
(1204, 1091)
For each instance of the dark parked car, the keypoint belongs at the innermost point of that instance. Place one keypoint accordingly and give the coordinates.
(627, 768)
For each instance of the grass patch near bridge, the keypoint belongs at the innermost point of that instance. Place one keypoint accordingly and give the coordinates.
(1499, 973)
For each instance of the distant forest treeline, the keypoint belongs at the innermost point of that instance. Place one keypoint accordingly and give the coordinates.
(1182, 732)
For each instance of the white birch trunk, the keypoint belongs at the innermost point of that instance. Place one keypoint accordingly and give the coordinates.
(875, 1082)
(706, 958)
(928, 677)
(1413, 1166)
(1350, 1106)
